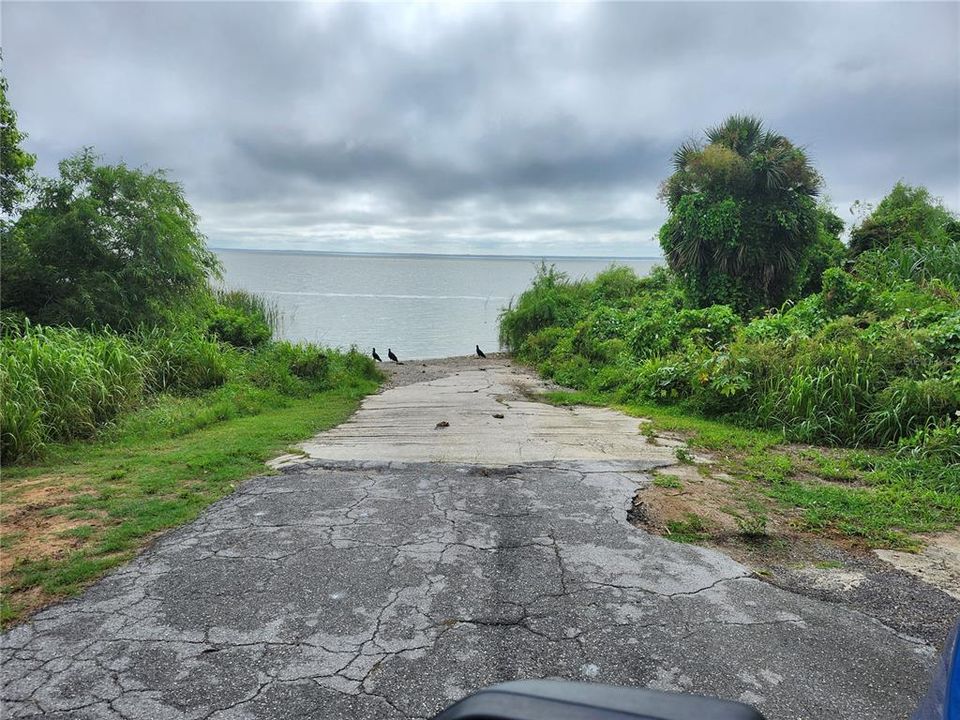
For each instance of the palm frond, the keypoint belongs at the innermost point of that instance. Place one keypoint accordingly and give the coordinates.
(740, 133)
(683, 154)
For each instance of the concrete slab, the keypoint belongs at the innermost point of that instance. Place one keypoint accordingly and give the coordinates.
(401, 424)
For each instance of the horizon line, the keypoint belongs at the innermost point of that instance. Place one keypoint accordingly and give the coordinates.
(346, 253)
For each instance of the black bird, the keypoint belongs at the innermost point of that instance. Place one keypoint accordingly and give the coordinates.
(375, 356)
(392, 356)
(480, 352)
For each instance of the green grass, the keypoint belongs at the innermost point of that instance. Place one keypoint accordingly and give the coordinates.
(665, 481)
(159, 468)
(691, 529)
(879, 498)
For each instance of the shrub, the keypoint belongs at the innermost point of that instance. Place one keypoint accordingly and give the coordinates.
(252, 305)
(291, 369)
(237, 328)
(711, 326)
(871, 359)
(843, 294)
(551, 300)
(615, 286)
(742, 216)
(908, 215)
(938, 441)
(353, 364)
(182, 362)
(104, 246)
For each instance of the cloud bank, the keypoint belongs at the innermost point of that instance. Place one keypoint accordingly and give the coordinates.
(513, 129)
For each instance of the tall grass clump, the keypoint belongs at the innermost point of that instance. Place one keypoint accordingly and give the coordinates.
(243, 319)
(62, 384)
(181, 361)
(551, 300)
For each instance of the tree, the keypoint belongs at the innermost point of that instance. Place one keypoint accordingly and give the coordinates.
(743, 216)
(15, 163)
(826, 251)
(104, 245)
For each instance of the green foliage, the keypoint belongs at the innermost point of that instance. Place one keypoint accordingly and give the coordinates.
(744, 229)
(551, 300)
(691, 529)
(181, 362)
(237, 328)
(871, 359)
(15, 162)
(668, 482)
(62, 384)
(827, 251)
(843, 294)
(104, 245)
(909, 216)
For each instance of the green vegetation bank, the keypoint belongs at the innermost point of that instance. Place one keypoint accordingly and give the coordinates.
(765, 321)
(133, 391)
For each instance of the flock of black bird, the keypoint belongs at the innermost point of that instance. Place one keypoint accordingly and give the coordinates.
(393, 357)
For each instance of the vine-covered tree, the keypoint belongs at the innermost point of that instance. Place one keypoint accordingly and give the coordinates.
(743, 216)
(104, 245)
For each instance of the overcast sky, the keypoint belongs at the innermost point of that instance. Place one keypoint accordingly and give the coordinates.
(514, 129)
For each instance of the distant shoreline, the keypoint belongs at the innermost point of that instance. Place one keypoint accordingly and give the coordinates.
(432, 256)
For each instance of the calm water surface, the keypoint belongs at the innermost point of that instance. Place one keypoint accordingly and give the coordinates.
(422, 307)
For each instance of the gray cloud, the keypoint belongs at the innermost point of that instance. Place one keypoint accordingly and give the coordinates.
(483, 128)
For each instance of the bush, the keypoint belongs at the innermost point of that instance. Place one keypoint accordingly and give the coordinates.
(552, 300)
(182, 363)
(743, 222)
(907, 215)
(907, 406)
(615, 286)
(346, 367)
(843, 294)
(237, 328)
(291, 369)
(939, 441)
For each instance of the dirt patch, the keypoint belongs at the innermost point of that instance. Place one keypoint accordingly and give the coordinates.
(30, 530)
(695, 503)
(729, 514)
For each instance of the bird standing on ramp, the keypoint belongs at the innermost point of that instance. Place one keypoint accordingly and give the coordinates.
(480, 352)
(376, 356)
(392, 356)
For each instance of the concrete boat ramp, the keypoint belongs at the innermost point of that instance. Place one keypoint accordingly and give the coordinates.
(426, 548)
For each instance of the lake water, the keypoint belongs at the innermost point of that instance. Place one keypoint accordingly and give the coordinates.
(421, 306)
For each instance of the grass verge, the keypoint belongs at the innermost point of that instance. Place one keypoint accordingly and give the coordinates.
(87, 507)
(863, 498)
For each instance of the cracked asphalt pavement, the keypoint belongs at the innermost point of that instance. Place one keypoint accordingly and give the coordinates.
(373, 588)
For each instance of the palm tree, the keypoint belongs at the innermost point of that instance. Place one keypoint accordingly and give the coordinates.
(742, 214)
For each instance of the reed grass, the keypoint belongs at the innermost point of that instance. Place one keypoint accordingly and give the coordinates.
(62, 384)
